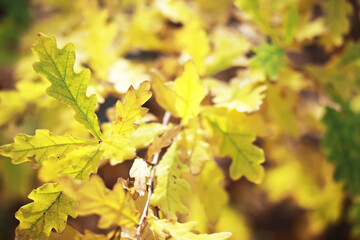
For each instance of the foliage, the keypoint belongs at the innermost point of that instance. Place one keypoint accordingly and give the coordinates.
(205, 92)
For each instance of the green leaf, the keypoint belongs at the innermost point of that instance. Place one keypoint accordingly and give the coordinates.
(49, 210)
(41, 146)
(57, 66)
(236, 141)
(170, 187)
(269, 58)
(341, 142)
(164, 229)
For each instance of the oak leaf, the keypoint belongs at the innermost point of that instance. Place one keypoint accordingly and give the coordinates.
(41, 146)
(49, 210)
(170, 187)
(57, 66)
(115, 207)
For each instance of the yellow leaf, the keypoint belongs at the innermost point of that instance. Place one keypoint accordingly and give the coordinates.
(164, 92)
(309, 181)
(124, 73)
(70, 233)
(41, 146)
(115, 208)
(170, 187)
(11, 106)
(279, 107)
(176, 11)
(138, 30)
(190, 93)
(232, 221)
(307, 30)
(130, 111)
(182, 97)
(99, 36)
(221, 58)
(57, 66)
(49, 210)
(140, 172)
(164, 229)
(198, 50)
(242, 95)
(209, 185)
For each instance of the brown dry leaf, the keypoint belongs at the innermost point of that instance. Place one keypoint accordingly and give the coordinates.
(164, 141)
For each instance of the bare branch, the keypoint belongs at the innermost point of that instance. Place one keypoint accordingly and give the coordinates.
(154, 162)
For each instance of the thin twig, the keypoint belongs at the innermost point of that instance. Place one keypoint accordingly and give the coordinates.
(154, 162)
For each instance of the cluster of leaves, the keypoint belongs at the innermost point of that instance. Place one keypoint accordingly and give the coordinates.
(178, 58)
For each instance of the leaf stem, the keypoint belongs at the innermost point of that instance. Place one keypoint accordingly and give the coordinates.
(154, 162)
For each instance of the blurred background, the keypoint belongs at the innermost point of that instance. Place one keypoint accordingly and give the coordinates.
(308, 122)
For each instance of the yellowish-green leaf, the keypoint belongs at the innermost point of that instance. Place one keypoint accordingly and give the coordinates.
(291, 20)
(57, 66)
(164, 229)
(41, 146)
(115, 208)
(182, 97)
(130, 111)
(170, 187)
(209, 185)
(336, 22)
(49, 210)
(78, 164)
(193, 148)
(117, 149)
(236, 141)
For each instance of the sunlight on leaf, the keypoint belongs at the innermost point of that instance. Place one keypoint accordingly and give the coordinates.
(57, 66)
